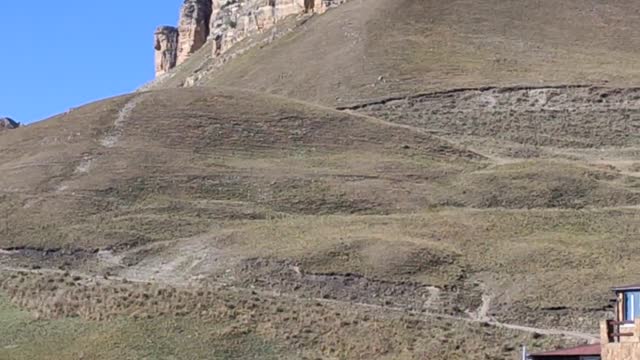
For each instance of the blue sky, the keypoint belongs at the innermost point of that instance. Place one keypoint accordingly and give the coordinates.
(64, 53)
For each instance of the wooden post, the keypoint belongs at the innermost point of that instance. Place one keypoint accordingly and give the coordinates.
(620, 306)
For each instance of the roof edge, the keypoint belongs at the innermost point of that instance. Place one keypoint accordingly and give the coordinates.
(626, 287)
(583, 350)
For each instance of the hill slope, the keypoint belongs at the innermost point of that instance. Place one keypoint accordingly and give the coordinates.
(124, 169)
(409, 195)
(220, 186)
(192, 188)
(368, 49)
(168, 164)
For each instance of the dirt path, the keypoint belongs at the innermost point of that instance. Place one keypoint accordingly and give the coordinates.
(481, 318)
(112, 138)
(483, 312)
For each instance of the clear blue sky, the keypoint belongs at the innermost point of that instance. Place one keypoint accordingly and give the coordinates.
(59, 54)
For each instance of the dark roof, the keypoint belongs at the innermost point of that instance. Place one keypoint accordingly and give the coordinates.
(627, 287)
(585, 350)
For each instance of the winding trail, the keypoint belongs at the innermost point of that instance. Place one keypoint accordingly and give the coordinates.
(478, 319)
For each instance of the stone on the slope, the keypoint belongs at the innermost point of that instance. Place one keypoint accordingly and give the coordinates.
(7, 123)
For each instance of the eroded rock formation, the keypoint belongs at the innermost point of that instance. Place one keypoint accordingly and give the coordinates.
(193, 28)
(234, 20)
(8, 123)
(166, 46)
(224, 22)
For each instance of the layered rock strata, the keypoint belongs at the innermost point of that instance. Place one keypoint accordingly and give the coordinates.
(232, 21)
(166, 46)
(193, 28)
(225, 23)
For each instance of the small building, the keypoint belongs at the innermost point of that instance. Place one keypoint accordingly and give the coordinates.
(620, 337)
(585, 352)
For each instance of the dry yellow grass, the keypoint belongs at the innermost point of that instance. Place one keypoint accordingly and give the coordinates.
(229, 325)
(232, 186)
(530, 262)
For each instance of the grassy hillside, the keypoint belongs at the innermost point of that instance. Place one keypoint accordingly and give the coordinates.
(353, 192)
(163, 165)
(215, 186)
(170, 164)
(150, 321)
(368, 49)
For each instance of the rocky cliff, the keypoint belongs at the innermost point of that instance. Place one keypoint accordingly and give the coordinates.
(8, 123)
(166, 46)
(193, 28)
(232, 21)
(224, 22)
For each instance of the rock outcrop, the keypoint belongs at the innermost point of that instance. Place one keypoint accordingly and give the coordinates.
(234, 20)
(166, 46)
(231, 21)
(8, 123)
(225, 23)
(193, 28)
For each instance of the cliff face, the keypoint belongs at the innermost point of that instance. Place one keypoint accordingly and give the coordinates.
(224, 22)
(166, 46)
(232, 21)
(193, 28)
